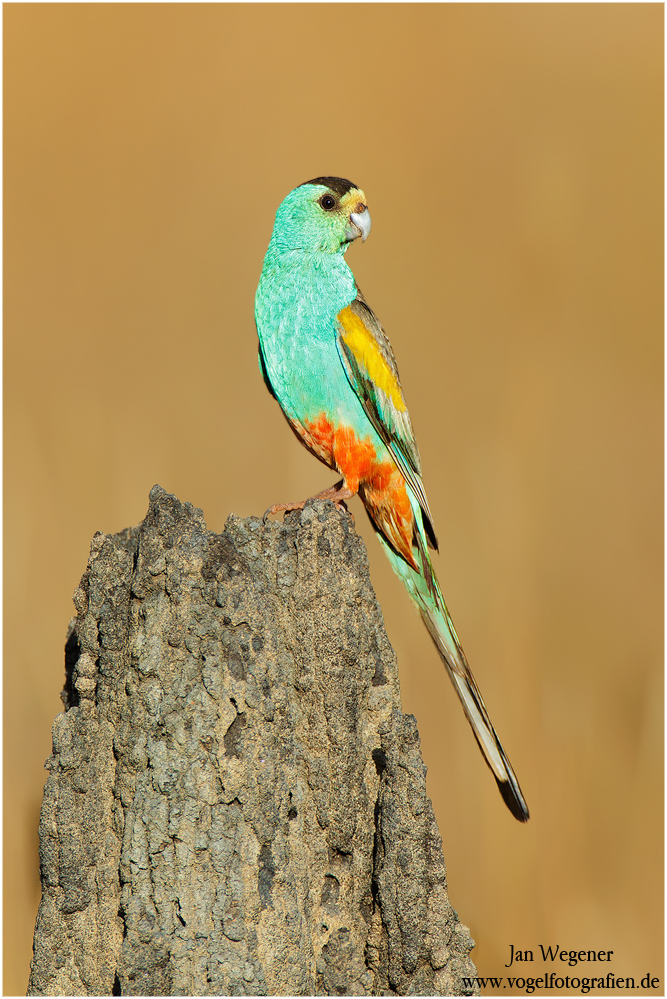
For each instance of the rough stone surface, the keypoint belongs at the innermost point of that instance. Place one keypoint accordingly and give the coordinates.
(236, 804)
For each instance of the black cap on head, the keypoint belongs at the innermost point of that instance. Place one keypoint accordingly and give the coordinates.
(338, 185)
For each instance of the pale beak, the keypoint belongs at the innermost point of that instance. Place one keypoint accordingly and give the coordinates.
(361, 225)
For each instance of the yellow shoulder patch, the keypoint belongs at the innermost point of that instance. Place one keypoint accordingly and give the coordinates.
(369, 356)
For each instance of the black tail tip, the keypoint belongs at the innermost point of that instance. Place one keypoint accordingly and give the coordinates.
(514, 801)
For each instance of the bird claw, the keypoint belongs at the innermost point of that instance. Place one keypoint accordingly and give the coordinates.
(341, 506)
(337, 494)
(283, 508)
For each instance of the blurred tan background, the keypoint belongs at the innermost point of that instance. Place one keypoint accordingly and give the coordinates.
(512, 160)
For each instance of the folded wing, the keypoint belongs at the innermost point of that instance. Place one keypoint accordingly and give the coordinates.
(372, 372)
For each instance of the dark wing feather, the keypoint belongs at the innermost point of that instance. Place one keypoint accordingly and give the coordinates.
(265, 374)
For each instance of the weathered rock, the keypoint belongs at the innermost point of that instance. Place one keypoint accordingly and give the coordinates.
(236, 804)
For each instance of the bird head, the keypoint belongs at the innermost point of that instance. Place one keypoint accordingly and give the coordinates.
(325, 214)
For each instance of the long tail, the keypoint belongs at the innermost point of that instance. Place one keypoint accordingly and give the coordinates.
(425, 591)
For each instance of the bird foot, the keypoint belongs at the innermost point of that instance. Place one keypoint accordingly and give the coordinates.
(337, 494)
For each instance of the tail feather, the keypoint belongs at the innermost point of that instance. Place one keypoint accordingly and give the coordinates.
(473, 704)
(425, 591)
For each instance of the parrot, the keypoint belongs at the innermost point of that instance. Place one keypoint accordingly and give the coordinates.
(327, 361)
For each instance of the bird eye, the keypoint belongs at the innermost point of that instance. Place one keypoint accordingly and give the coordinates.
(327, 202)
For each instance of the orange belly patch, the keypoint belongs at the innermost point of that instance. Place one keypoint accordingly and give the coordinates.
(380, 483)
